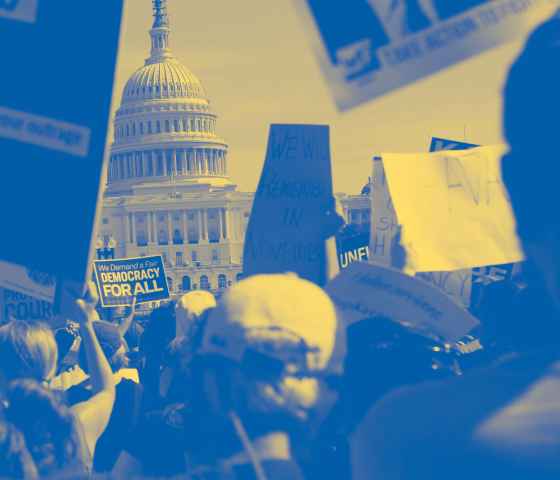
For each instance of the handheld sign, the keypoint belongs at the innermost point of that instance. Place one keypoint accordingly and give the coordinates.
(437, 144)
(384, 224)
(55, 99)
(453, 208)
(119, 281)
(354, 248)
(286, 231)
(17, 306)
(367, 48)
(364, 290)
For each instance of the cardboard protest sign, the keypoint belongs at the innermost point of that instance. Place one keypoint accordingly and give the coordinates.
(55, 100)
(366, 48)
(384, 224)
(27, 281)
(457, 284)
(453, 209)
(364, 290)
(354, 248)
(17, 306)
(286, 230)
(119, 281)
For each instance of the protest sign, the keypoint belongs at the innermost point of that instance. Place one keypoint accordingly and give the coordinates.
(384, 225)
(353, 248)
(453, 208)
(30, 282)
(457, 284)
(119, 281)
(286, 230)
(366, 48)
(437, 144)
(364, 290)
(17, 306)
(55, 100)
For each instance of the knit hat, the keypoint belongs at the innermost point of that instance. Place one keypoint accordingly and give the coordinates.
(280, 317)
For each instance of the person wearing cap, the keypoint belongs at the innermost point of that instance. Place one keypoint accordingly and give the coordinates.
(191, 312)
(256, 380)
(502, 421)
(126, 411)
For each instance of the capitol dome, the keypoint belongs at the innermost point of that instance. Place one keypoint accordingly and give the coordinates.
(168, 79)
(164, 129)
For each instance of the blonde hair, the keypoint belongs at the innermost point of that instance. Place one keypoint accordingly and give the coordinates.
(27, 350)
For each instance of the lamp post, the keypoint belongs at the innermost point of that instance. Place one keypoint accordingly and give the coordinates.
(105, 249)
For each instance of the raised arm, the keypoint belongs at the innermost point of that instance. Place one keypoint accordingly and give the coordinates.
(94, 414)
(127, 321)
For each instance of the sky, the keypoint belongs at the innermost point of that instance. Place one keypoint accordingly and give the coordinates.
(256, 65)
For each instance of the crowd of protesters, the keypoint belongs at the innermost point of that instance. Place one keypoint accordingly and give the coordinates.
(251, 386)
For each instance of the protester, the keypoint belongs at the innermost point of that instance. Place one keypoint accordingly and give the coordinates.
(15, 459)
(158, 333)
(191, 314)
(56, 436)
(503, 421)
(382, 354)
(256, 380)
(49, 428)
(128, 400)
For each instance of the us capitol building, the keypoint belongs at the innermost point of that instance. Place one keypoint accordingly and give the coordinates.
(168, 192)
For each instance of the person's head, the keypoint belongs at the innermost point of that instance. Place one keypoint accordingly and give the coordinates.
(531, 169)
(46, 423)
(112, 344)
(15, 459)
(279, 330)
(27, 350)
(189, 311)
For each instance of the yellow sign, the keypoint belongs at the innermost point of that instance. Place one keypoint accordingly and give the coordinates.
(453, 208)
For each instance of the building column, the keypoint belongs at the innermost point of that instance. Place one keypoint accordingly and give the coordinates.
(153, 156)
(200, 226)
(133, 228)
(229, 230)
(184, 226)
(205, 224)
(174, 164)
(169, 228)
(150, 220)
(183, 162)
(222, 223)
(127, 228)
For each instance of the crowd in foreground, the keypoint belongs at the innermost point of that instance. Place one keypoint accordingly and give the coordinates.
(257, 385)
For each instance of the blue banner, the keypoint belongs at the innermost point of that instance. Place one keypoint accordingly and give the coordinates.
(55, 97)
(437, 144)
(119, 281)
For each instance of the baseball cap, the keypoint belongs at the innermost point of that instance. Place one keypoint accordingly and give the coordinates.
(277, 316)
